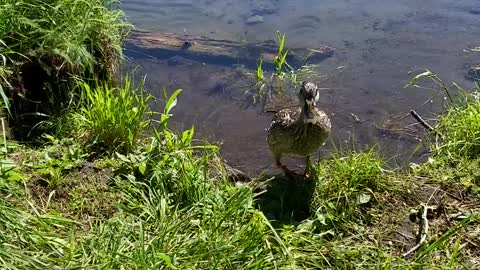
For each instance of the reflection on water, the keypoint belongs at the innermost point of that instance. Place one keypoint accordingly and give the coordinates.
(377, 42)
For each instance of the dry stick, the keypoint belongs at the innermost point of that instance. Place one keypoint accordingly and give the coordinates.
(424, 226)
(420, 120)
(424, 123)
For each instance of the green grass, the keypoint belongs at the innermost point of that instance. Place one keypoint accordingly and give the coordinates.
(163, 204)
(110, 119)
(171, 211)
(347, 182)
(30, 241)
(455, 155)
(176, 215)
(455, 141)
(45, 46)
(461, 126)
(72, 35)
(458, 129)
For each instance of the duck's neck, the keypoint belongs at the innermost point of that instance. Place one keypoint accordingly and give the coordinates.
(306, 115)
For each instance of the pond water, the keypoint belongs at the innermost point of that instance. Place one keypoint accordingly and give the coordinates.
(377, 42)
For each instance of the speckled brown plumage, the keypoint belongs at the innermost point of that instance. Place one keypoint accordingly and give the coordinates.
(301, 131)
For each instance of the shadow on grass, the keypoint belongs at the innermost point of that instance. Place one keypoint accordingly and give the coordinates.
(286, 200)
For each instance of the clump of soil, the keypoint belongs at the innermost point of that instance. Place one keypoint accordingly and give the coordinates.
(84, 195)
(446, 207)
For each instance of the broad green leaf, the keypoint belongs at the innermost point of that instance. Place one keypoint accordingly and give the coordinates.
(172, 101)
(142, 167)
(187, 136)
(167, 259)
(14, 176)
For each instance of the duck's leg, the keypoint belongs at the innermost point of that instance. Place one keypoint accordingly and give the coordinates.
(306, 174)
(279, 164)
(284, 168)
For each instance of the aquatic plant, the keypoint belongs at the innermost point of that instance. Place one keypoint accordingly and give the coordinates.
(281, 58)
(284, 75)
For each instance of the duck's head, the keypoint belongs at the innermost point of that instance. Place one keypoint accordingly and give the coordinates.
(308, 97)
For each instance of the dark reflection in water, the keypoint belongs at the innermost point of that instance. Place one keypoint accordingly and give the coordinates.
(377, 42)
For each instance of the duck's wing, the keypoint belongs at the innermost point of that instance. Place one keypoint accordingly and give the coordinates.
(323, 120)
(284, 118)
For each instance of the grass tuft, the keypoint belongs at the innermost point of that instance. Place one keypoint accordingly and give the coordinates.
(73, 35)
(460, 128)
(111, 119)
(45, 46)
(346, 182)
(455, 146)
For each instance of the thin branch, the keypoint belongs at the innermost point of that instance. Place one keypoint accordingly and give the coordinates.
(420, 120)
(423, 230)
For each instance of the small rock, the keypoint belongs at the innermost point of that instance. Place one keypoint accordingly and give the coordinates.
(473, 74)
(254, 20)
(262, 7)
(179, 60)
(348, 43)
(475, 11)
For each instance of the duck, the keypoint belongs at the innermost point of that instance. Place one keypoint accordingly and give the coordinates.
(299, 132)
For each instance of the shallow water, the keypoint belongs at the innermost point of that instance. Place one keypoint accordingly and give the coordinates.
(377, 43)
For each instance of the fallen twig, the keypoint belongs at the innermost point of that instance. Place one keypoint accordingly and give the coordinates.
(358, 120)
(423, 229)
(420, 120)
